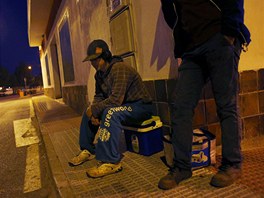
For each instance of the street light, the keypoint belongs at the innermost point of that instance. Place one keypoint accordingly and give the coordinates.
(25, 79)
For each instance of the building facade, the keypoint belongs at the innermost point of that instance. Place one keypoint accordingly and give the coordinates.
(136, 30)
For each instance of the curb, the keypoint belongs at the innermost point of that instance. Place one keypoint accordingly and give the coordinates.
(62, 185)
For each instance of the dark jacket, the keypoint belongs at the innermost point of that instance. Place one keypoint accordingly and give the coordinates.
(232, 22)
(118, 85)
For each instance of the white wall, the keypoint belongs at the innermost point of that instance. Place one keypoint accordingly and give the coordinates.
(254, 15)
(154, 41)
(88, 20)
(44, 72)
(155, 44)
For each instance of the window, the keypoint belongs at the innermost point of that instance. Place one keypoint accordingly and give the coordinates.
(47, 70)
(66, 52)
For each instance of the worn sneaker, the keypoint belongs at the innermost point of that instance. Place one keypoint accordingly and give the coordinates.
(173, 178)
(82, 157)
(103, 169)
(226, 176)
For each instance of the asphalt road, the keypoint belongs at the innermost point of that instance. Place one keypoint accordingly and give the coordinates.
(24, 170)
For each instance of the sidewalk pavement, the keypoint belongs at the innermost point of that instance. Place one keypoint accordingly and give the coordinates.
(59, 126)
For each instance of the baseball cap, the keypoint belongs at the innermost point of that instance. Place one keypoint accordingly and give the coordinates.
(95, 49)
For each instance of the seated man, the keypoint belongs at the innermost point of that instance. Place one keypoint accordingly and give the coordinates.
(120, 97)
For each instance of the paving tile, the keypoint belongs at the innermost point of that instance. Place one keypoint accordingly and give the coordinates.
(141, 174)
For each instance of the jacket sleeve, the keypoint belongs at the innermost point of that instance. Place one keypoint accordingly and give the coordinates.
(99, 96)
(232, 16)
(169, 13)
(119, 81)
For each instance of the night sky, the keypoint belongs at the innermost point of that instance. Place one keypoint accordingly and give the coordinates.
(14, 45)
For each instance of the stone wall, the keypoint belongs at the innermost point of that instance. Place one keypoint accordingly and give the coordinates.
(75, 97)
(49, 92)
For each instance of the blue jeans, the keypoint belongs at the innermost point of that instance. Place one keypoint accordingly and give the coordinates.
(216, 60)
(107, 148)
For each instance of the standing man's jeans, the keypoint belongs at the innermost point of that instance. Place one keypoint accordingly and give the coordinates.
(217, 60)
(107, 148)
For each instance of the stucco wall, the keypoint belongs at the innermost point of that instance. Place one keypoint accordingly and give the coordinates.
(155, 45)
(254, 15)
(89, 20)
(154, 41)
(43, 71)
(93, 23)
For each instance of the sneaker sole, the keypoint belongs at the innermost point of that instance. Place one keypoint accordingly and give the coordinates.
(118, 170)
(172, 185)
(72, 164)
(221, 184)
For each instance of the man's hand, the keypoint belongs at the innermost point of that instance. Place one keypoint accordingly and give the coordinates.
(95, 121)
(230, 39)
(89, 112)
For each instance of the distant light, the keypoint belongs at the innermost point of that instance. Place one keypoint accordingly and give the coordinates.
(29, 67)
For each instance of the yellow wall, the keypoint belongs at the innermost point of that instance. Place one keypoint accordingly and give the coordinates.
(87, 20)
(154, 41)
(155, 44)
(254, 16)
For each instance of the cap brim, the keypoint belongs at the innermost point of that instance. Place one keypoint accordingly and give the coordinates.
(91, 57)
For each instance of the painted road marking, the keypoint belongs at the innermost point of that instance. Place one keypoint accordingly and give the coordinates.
(25, 132)
(32, 113)
(26, 135)
(32, 179)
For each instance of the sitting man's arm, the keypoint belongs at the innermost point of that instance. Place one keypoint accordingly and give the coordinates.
(95, 121)
(120, 78)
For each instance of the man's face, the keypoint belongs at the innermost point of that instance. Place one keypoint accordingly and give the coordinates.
(98, 64)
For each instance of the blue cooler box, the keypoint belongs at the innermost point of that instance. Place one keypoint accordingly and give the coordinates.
(145, 139)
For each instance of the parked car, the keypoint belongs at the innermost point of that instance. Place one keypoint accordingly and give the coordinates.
(5, 91)
(2, 91)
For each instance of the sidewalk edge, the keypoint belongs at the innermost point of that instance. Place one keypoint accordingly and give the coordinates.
(62, 185)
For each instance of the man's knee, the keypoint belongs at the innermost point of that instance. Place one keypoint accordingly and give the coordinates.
(109, 115)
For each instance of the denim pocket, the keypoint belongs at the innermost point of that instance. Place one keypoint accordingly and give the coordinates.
(227, 42)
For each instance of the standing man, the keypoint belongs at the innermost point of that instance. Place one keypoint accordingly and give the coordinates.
(209, 36)
(120, 97)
